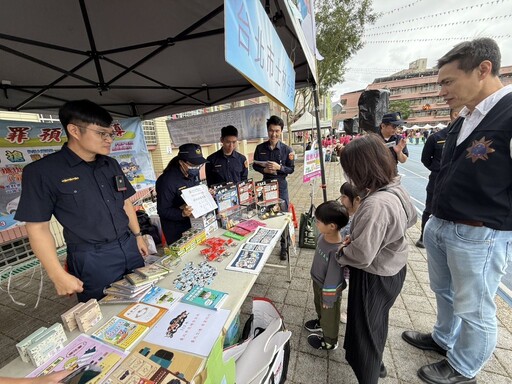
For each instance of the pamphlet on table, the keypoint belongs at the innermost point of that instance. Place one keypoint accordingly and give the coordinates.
(81, 351)
(188, 328)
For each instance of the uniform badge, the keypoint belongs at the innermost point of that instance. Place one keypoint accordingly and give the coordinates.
(291, 156)
(246, 164)
(479, 150)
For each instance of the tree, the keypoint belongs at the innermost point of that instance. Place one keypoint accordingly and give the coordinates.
(340, 27)
(402, 106)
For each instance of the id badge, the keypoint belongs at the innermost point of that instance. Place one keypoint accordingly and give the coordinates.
(120, 183)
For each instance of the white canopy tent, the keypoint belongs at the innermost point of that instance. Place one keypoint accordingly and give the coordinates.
(307, 122)
(440, 126)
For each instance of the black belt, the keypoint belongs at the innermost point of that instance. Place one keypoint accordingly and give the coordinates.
(97, 246)
(472, 223)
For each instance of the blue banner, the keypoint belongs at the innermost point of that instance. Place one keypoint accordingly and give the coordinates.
(23, 142)
(254, 49)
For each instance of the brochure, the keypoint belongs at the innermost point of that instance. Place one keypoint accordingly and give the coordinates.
(161, 297)
(205, 297)
(124, 293)
(120, 333)
(116, 299)
(144, 314)
(138, 369)
(181, 364)
(151, 271)
(251, 256)
(81, 351)
(138, 281)
(188, 328)
(129, 287)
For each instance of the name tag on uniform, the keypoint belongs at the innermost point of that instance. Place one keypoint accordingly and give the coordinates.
(218, 165)
(120, 184)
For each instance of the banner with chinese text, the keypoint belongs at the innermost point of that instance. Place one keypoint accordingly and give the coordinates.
(312, 167)
(251, 122)
(24, 142)
(254, 49)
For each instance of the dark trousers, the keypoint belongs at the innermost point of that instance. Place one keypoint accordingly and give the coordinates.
(329, 317)
(370, 298)
(99, 265)
(283, 194)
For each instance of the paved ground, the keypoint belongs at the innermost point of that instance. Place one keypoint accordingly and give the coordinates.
(414, 309)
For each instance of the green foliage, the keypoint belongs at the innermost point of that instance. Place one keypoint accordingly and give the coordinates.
(402, 106)
(340, 27)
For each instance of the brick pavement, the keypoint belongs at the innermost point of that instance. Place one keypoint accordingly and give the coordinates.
(414, 309)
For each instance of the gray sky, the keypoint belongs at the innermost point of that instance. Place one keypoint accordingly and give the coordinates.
(394, 40)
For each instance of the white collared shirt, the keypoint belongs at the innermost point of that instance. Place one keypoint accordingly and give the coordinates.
(471, 120)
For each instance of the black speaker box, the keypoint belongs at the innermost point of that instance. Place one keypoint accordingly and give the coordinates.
(373, 104)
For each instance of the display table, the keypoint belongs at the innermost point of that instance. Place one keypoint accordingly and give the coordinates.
(236, 284)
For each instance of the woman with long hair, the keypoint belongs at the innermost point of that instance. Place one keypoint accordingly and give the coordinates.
(376, 252)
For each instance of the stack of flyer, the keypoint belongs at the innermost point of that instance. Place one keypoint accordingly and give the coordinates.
(134, 286)
(252, 256)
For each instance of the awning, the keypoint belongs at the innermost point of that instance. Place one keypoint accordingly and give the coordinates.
(133, 57)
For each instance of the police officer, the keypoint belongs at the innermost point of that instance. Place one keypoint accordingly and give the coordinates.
(89, 195)
(226, 164)
(275, 160)
(181, 172)
(395, 142)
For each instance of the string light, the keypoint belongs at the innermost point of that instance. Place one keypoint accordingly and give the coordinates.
(402, 7)
(434, 39)
(439, 25)
(438, 14)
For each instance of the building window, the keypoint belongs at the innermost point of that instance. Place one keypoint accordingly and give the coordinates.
(148, 127)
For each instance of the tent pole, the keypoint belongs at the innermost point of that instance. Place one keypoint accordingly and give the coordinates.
(319, 140)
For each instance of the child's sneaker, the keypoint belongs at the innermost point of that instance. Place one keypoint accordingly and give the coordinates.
(318, 342)
(313, 325)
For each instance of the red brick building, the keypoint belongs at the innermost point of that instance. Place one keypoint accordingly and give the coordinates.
(418, 85)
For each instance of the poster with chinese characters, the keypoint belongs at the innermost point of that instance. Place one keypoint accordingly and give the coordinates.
(188, 328)
(312, 168)
(23, 142)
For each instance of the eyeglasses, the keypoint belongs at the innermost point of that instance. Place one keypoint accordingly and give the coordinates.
(103, 135)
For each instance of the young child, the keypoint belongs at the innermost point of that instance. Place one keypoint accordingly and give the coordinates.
(327, 276)
(350, 200)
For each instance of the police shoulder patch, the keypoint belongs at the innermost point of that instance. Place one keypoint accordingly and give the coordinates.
(291, 156)
(246, 164)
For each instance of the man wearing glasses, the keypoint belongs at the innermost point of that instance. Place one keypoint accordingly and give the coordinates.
(388, 131)
(181, 172)
(88, 193)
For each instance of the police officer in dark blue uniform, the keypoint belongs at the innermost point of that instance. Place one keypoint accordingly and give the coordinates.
(396, 143)
(181, 172)
(89, 195)
(226, 164)
(275, 160)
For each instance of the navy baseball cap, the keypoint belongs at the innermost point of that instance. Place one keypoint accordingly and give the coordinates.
(393, 118)
(192, 153)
